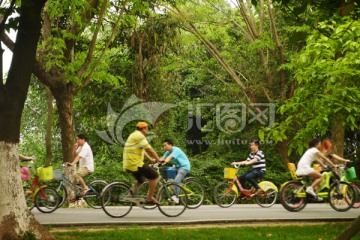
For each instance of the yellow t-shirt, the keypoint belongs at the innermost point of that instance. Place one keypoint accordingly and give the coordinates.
(133, 156)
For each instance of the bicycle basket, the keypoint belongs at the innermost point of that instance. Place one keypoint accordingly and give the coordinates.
(57, 174)
(45, 173)
(350, 173)
(168, 172)
(229, 173)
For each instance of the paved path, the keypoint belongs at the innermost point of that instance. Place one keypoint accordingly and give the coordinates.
(205, 214)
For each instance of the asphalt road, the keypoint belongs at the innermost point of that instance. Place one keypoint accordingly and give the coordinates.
(246, 213)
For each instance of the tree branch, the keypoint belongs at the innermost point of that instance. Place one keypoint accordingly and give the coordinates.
(93, 41)
(111, 38)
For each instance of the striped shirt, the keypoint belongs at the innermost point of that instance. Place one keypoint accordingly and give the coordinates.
(133, 156)
(260, 164)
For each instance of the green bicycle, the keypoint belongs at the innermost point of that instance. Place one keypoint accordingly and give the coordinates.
(341, 195)
(348, 174)
(195, 191)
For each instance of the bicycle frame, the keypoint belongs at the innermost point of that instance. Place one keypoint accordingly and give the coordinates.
(35, 185)
(65, 181)
(235, 185)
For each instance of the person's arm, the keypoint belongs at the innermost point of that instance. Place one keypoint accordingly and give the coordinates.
(152, 152)
(339, 158)
(147, 156)
(239, 163)
(320, 155)
(168, 159)
(321, 163)
(25, 158)
(74, 150)
(75, 161)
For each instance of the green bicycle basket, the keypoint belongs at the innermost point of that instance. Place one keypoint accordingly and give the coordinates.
(350, 173)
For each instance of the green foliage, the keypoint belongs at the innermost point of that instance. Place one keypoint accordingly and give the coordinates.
(326, 73)
(296, 232)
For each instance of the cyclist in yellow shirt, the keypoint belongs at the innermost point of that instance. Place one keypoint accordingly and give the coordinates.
(136, 148)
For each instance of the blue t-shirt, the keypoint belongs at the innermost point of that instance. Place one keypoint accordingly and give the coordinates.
(179, 158)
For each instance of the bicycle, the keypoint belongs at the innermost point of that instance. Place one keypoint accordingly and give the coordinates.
(118, 199)
(348, 174)
(194, 189)
(44, 198)
(92, 197)
(226, 193)
(293, 197)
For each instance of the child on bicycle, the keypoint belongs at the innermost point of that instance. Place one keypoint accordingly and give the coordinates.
(179, 158)
(304, 165)
(257, 159)
(326, 150)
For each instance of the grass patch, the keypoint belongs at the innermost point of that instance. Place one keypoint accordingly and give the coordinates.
(272, 231)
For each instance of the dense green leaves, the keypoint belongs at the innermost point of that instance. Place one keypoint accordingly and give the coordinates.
(327, 74)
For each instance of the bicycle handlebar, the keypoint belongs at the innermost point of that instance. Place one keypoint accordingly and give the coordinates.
(236, 165)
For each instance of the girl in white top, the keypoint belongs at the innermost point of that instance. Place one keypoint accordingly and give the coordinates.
(304, 166)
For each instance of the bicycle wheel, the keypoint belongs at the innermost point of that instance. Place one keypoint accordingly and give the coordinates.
(143, 191)
(224, 195)
(92, 197)
(341, 196)
(47, 200)
(266, 199)
(357, 199)
(113, 200)
(195, 192)
(60, 189)
(29, 202)
(289, 198)
(167, 206)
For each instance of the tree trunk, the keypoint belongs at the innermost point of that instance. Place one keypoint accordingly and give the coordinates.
(49, 121)
(65, 105)
(16, 220)
(337, 135)
(350, 231)
(282, 149)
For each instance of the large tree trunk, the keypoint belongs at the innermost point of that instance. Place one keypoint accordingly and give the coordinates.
(16, 220)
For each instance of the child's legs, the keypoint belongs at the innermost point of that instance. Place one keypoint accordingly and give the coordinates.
(317, 178)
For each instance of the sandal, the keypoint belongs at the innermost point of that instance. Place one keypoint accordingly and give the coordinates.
(152, 201)
(84, 191)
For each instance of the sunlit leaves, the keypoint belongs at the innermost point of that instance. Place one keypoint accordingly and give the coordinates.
(327, 73)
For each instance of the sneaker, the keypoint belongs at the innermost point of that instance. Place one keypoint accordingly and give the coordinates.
(310, 191)
(319, 199)
(174, 199)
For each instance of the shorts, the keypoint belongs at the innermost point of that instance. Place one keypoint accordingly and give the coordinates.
(81, 172)
(143, 173)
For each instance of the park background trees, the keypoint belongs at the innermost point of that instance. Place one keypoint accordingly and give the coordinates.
(220, 62)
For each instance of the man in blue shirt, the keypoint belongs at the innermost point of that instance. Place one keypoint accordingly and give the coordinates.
(179, 159)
